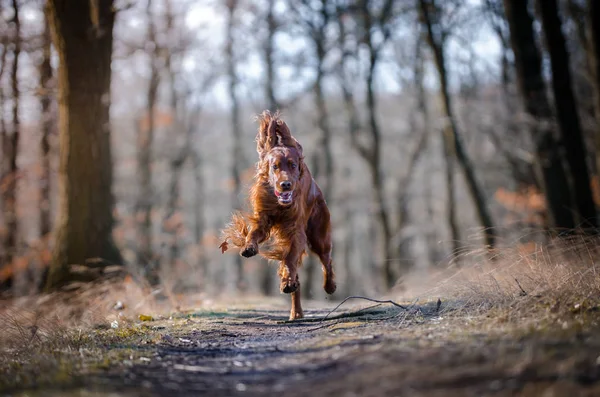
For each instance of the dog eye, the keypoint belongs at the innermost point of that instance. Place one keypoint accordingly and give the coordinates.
(293, 165)
(275, 167)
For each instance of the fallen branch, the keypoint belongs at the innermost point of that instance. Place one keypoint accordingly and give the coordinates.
(346, 315)
(367, 299)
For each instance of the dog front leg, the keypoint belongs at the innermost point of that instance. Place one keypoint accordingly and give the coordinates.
(288, 272)
(296, 311)
(290, 283)
(258, 234)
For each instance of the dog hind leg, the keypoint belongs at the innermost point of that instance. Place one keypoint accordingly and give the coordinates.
(318, 234)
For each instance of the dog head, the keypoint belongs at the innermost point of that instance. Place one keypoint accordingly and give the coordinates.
(280, 157)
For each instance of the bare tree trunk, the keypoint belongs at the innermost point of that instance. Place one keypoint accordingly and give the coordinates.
(593, 52)
(532, 88)
(145, 140)
(354, 124)
(11, 149)
(421, 130)
(323, 170)
(199, 221)
(568, 117)
(181, 148)
(497, 21)
(346, 251)
(47, 127)
(451, 200)
(269, 53)
(372, 154)
(273, 105)
(422, 109)
(236, 128)
(83, 39)
(5, 152)
(437, 43)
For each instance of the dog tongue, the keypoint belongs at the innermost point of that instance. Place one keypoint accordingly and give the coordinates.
(284, 195)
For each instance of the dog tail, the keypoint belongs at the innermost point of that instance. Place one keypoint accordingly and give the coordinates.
(235, 232)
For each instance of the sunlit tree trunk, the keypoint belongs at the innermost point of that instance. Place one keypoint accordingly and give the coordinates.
(532, 89)
(568, 117)
(83, 38)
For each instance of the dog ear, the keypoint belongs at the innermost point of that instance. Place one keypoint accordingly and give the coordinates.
(272, 135)
(272, 132)
(264, 120)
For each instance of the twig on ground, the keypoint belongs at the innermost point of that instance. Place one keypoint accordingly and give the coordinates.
(523, 292)
(346, 315)
(367, 299)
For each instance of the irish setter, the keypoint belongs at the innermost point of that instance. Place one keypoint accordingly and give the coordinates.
(289, 212)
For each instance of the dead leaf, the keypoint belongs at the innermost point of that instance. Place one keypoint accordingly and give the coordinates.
(224, 246)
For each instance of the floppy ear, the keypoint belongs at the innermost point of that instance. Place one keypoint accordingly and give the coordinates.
(264, 120)
(272, 131)
(272, 136)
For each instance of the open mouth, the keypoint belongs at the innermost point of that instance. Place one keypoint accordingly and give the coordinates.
(284, 197)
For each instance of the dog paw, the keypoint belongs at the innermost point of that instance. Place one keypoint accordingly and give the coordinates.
(330, 286)
(296, 315)
(288, 285)
(249, 251)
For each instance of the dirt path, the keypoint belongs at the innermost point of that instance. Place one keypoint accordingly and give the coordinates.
(377, 351)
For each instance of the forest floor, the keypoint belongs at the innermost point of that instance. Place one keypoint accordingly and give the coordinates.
(445, 348)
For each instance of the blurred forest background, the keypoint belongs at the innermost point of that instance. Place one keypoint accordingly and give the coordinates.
(436, 129)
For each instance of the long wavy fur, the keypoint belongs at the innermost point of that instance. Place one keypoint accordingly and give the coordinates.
(272, 132)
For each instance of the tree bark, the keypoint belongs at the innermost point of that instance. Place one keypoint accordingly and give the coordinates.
(47, 127)
(269, 52)
(373, 156)
(593, 51)
(199, 220)
(532, 89)
(323, 158)
(5, 151)
(437, 43)
(236, 127)
(568, 117)
(11, 149)
(450, 188)
(83, 39)
(181, 148)
(145, 139)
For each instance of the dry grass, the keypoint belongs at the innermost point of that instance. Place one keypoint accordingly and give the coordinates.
(530, 284)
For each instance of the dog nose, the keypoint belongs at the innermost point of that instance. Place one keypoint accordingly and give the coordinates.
(286, 185)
